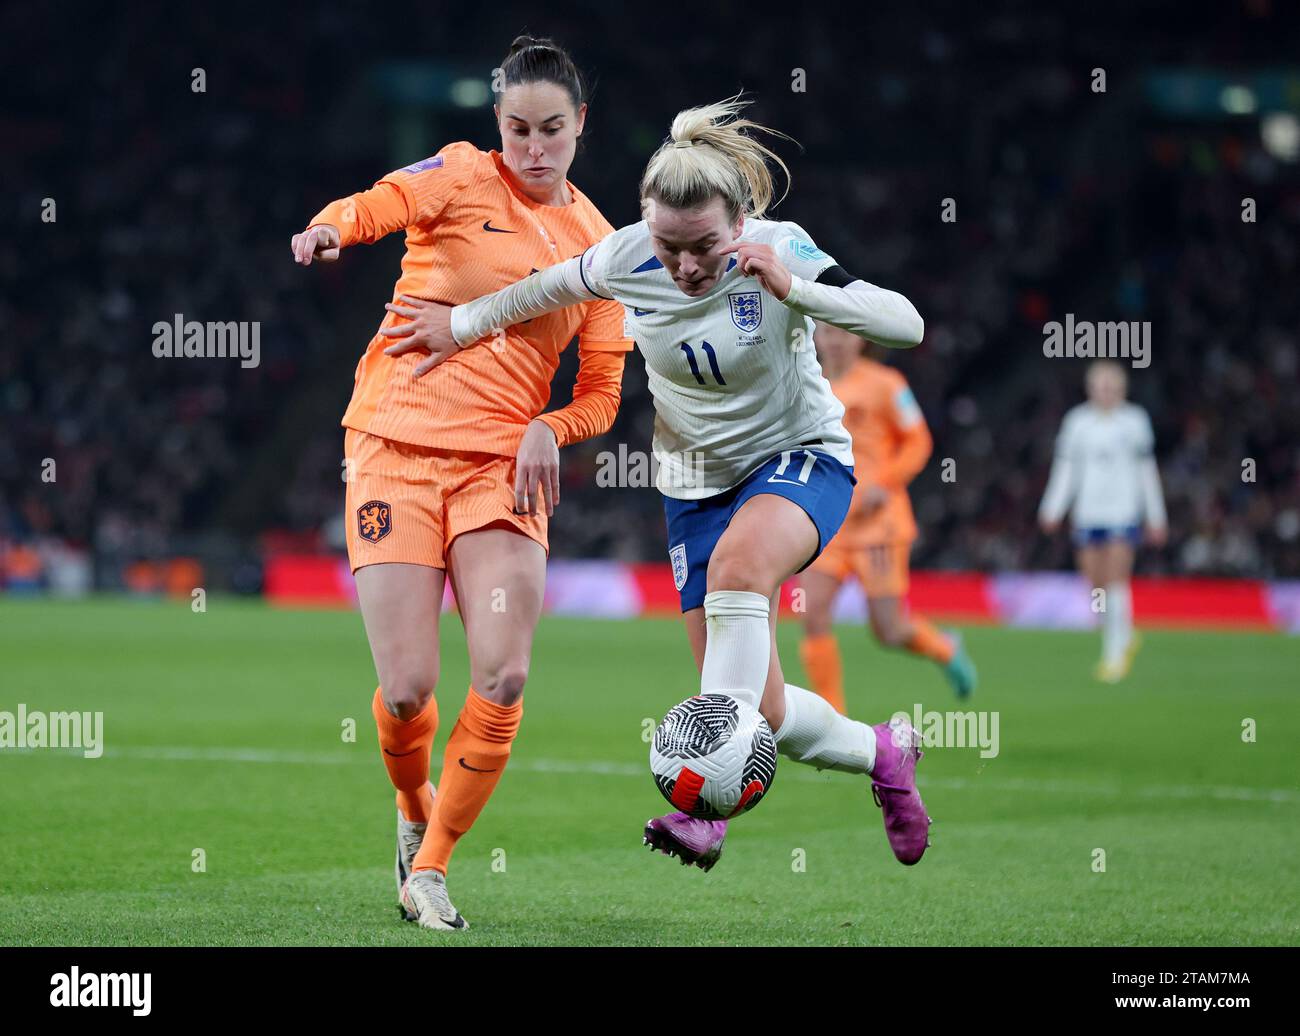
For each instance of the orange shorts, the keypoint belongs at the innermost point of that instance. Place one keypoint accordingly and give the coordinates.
(881, 568)
(407, 503)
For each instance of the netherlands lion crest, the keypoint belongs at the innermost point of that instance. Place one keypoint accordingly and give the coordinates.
(746, 310)
(374, 520)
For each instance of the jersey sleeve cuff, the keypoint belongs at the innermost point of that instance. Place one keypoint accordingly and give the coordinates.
(333, 215)
(555, 426)
(794, 297)
(621, 345)
(460, 326)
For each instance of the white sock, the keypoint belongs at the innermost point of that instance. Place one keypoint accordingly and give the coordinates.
(814, 733)
(1117, 623)
(739, 646)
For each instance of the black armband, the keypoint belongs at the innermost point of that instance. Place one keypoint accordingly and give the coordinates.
(836, 276)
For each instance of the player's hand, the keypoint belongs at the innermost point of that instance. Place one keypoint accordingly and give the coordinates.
(1157, 535)
(319, 242)
(873, 499)
(757, 260)
(537, 463)
(427, 327)
(1050, 527)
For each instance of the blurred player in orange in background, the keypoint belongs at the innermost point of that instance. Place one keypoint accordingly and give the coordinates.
(455, 473)
(891, 445)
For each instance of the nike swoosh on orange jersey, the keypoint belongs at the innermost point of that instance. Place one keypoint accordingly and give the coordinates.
(487, 225)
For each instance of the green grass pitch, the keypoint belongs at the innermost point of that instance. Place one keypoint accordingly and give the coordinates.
(224, 732)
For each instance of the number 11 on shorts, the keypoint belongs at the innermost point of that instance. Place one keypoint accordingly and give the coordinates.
(810, 459)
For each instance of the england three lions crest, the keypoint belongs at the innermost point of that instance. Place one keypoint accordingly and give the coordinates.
(746, 310)
(677, 555)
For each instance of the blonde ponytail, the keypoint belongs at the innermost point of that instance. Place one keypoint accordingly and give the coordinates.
(708, 154)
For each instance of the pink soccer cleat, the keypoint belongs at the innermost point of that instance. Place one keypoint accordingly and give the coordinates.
(893, 786)
(689, 839)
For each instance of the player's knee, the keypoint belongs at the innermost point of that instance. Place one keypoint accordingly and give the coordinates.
(731, 571)
(774, 715)
(503, 684)
(408, 688)
(817, 622)
(890, 634)
(772, 709)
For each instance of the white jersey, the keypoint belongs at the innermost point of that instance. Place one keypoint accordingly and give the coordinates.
(733, 372)
(1104, 470)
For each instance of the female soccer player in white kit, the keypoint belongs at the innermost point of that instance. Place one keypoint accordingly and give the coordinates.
(755, 464)
(1104, 473)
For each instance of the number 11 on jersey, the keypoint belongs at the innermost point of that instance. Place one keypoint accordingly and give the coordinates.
(695, 367)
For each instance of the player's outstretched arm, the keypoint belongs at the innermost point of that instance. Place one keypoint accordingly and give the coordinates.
(868, 311)
(877, 314)
(359, 219)
(442, 330)
(555, 288)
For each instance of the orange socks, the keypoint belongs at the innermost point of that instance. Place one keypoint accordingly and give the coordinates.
(476, 754)
(821, 661)
(928, 641)
(405, 747)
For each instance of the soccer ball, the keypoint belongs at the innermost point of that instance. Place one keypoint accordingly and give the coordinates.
(713, 757)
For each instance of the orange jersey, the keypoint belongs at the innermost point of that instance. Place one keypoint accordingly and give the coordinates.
(891, 444)
(469, 232)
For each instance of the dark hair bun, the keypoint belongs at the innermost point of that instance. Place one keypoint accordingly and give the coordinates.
(524, 42)
(535, 60)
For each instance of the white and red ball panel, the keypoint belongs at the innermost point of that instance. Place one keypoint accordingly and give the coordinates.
(713, 756)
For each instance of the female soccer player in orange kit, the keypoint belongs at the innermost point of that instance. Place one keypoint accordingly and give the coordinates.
(444, 472)
(891, 444)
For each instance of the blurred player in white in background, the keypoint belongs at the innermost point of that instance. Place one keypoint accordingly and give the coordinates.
(1104, 474)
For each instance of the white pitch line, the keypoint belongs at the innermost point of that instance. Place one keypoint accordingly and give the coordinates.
(182, 753)
(609, 768)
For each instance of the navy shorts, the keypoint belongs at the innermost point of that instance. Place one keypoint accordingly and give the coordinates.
(814, 480)
(1100, 535)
